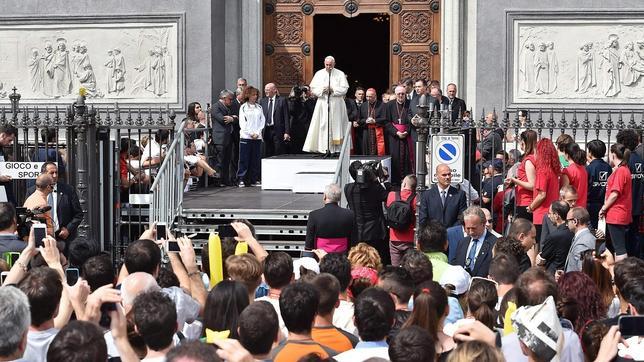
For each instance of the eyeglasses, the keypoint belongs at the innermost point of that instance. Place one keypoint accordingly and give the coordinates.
(490, 220)
(569, 220)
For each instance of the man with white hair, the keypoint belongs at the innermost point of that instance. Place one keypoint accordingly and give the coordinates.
(15, 320)
(330, 119)
(330, 227)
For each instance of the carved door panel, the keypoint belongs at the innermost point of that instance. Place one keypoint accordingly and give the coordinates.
(288, 37)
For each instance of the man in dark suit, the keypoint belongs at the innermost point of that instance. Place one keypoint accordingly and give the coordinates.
(474, 252)
(234, 159)
(420, 88)
(66, 211)
(277, 131)
(330, 227)
(555, 247)
(457, 104)
(7, 134)
(223, 124)
(442, 202)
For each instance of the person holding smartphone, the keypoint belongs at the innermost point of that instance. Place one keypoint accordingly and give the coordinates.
(9, 242)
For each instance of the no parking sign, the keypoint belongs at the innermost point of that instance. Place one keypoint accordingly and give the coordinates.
(448, 149)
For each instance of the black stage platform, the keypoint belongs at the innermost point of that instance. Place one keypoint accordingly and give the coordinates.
(250, 198)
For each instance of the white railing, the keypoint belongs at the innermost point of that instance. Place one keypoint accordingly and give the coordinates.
(167, 190)
(341, 175)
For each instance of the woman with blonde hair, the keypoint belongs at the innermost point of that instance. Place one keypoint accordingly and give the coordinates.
(364, 255)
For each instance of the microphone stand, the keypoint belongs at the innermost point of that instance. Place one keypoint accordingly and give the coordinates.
(328, 114)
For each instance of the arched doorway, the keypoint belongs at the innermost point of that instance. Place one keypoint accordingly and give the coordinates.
(290, 43)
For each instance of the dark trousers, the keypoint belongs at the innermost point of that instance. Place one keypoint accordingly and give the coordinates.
(273, 143)
(234, 160)
(249, 160)
(618, 237)
(224, 155)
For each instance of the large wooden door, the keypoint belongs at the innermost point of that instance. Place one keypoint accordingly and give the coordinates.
(288, 37)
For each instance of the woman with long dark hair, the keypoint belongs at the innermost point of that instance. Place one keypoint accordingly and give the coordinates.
(546, 184)
(575, 174)
(224, 304)
(618, 205)
(592, 267)
(526, 174)
(430, 310)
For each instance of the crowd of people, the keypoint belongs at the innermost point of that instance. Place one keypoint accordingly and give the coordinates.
(536, 257)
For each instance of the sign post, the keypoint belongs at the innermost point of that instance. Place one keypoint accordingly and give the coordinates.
(448, 149)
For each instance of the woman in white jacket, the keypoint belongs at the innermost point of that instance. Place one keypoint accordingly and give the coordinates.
(251, 124)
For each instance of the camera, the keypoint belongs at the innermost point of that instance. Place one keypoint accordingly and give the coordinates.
(370, 172)
(25, 218)
(297, 92)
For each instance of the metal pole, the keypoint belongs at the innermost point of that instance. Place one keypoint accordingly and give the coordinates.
(422, 128)
(81, 125)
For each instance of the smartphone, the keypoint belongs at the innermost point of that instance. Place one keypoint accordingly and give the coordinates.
(3, 276)
(307, 253)
(72, 275)
(226, 231)
(171, 246)
(631, 325)
(11, 258)
(106, 320)
(161, 231)
(600, 247)
(40, 232)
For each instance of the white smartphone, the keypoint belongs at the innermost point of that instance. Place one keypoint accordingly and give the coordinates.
(161, 231)
(40, 232)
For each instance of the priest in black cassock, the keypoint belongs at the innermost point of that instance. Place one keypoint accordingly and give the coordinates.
(401, 147)
(372, 121)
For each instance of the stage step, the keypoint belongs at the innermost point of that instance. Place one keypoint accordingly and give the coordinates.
(311, 181)
(276, 230)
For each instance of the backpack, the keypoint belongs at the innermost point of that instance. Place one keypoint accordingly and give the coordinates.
(399, 213)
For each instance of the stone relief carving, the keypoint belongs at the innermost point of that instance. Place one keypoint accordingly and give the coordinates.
(50, 63)
(580, 61)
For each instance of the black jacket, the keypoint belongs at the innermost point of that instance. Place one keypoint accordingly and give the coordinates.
(280, 116)
(330, 221)
(222, 131)
(431, 206)
(555, 248)
(366, 204)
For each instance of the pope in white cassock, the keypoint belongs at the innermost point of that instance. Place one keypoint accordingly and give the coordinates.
(328, 83)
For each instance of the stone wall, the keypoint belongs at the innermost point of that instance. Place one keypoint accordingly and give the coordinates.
(558, 54)
(196, 70)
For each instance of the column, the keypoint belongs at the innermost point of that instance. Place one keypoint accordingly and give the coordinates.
(251, 42)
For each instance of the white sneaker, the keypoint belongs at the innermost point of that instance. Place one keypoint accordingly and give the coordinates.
(258, 184)
(241, 184)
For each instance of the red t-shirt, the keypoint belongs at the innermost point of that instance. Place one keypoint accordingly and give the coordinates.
(578, 177)
(523, 196)
(621, 212)
(408, 234)
(549, 182)
(123, 165)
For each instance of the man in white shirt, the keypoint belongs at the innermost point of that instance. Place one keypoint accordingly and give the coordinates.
(374, 317)
(278, 273)
(339, 266)
(43, 287)
(155, 319)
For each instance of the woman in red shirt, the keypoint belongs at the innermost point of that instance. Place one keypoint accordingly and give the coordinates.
(546, 184)
(526, 175)
(575, 174)
(618, 204)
